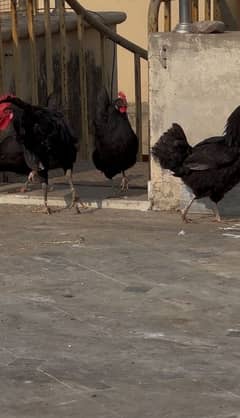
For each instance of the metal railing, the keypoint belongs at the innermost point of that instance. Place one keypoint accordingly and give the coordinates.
(84, 15)
(33, 7)
(204, 9)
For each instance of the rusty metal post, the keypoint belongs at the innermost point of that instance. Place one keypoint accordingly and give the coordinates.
(184, 17)
(16, 54)
(103, 60)
(48, 43)
(167, 17)
(195, 10)
(83, 89)
(207, 11)
(138, 102)
(1, 62)
(22, 5)
(33, 51)
(153, 13)
(63, 45)
(216, 12)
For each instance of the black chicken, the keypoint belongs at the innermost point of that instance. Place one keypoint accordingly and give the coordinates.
(12, 158)
(46, 141)
(11, 152)
(211, 168)
(116, 145)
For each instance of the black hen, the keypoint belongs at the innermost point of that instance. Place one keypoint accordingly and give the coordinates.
(46, 140)
(211, 168)
(116, 145)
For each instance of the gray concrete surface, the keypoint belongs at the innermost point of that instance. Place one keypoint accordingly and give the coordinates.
(194, 82)
(118, 314)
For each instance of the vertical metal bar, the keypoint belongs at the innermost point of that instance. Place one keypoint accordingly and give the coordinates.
(195, 10)
(1, 61)
(167, 16)
(216, 15)
(48, 42)
(57, 4)
(16, 55)
(33, 51)
(35, 6)
(207, 11)
(184, 17)
(103, 59)
(21, 5)
(83, 88)
(153, 13)
(63, 44)
(138, 101)
(184, 11)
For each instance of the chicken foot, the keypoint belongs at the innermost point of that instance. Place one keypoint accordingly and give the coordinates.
(46, 209)
(216, 213)
(30, 179)
(186, 209)
(45, 194)
(25, 187)
(75, 198)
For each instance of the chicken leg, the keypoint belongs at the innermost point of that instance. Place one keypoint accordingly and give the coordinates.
(25, 188)
(124, 182)
(114, 192)
(45, 193)
(30, 179)
(216, 213)
(75, 198)
(186, 209)
(43, 176)
(46, 209)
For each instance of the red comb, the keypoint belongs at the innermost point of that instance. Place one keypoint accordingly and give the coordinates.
(5, 96)
(121, 95)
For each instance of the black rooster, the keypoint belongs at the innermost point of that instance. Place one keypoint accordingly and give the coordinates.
(45, 139)
(116, 145)
(211, 168)
(11, 152)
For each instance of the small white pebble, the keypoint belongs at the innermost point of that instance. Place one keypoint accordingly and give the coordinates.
(182, 232)
(69, 346)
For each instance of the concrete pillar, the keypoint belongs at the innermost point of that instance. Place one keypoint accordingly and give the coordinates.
(193, 81)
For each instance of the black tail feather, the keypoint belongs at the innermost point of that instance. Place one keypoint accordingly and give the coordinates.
(232, 128)
(172, 148)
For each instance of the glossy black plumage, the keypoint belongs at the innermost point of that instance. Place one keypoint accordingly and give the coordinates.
(116, 144)
(212, 167)
(44, 135)
(44, 138)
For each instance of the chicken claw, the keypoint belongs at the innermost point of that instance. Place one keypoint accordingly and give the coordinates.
(124, 183)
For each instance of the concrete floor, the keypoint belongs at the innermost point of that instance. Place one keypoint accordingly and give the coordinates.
(92, 187)
(118, 314)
